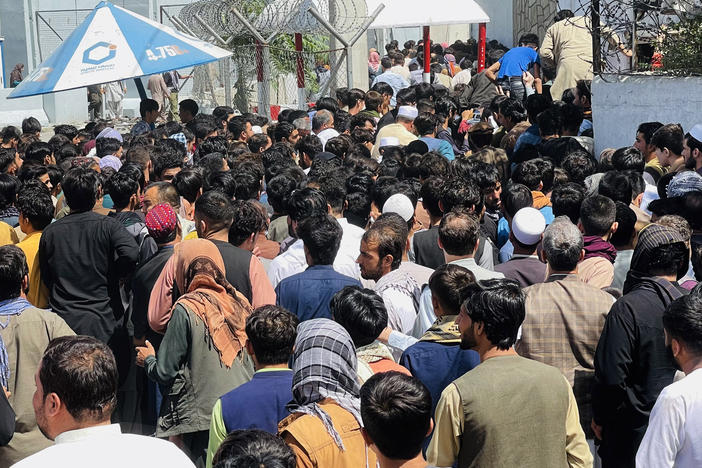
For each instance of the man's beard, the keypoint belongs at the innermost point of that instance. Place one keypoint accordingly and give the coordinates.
(669, 352)
(468, 339)
(374, 274)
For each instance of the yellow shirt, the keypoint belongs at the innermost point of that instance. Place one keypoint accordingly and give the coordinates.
(191, 235)
(38, 294)
(448, 430)
(7, 234)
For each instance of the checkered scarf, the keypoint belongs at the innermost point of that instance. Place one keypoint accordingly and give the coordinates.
(324, 366)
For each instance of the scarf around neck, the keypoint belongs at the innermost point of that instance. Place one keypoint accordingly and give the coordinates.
(9, 307)
(595, 246)
(444, 331)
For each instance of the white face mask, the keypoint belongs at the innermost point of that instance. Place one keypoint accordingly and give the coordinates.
(492, 122)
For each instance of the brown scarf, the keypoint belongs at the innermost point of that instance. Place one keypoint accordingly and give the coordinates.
(223, 309)
(444, 330)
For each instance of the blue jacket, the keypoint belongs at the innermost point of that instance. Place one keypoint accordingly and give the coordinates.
(307, 294)
(259, 403)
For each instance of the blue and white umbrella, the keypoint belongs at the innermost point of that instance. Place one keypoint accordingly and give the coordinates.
(115, 44)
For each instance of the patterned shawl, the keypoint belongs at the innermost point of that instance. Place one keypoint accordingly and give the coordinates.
(324, 366)
(444, 331)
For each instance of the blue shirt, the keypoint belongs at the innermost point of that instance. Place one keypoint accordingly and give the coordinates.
(259, 403)
(531, 136)
(307, 294)
(517, 60)
(395, 81)
(442, 147)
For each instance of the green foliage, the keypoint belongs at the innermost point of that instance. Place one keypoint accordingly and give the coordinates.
(682, 48)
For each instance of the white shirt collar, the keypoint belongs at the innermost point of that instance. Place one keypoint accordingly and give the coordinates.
(77, 435)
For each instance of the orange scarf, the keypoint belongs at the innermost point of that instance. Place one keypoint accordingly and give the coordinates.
(223, 309)
(540, 200)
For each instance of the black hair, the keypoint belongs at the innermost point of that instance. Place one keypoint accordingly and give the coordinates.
(626, 225)
(499, 306)
(216, 209)
(572, 118)
(31, 171)
(13, 269)
(272, 330)
(327, 103)
(669, 260)
(257, 142)
(426, 123)
(459, 232)
(359, 121)
(669, 136)
(528, 173)
(212, 162)
(579, 165)
(513, 109)
(38, 151)
(358, 208)
(566, 200)
(361, 312)
(334, 188)
(563, 14)
(133, 171)
(390, 238)
(31, 125)
(221, 113)
(80, 187)
(55, 175)
(430, 192)
(9, 133)
(202, 126)
(583, 87)
(283, 131)
(628, 158)
(106, 146)
(549, 122)
(306, 202)
(248, 185)
(682, 320)
(147, 105)
(310, 144)
(342, 121)
(121, 187)
(164, 159)
(321, 236)
(616, 186)
(597, 214)
(82, 371)
(190, 106)
(529, 39)
(514, 197)
(451, 285)
(406, 96)
(248, 220)
(647, 129)
(188, 183)
(337, 146)
(69, 131)
(536, 104)
(396, 411)
(253, 448)
(222, 182)
(383, 88)
(7, 158)
(461, 193)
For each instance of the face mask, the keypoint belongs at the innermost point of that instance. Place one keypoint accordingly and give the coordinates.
(492, 122)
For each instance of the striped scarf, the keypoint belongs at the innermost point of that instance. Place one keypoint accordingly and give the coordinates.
(325, 366)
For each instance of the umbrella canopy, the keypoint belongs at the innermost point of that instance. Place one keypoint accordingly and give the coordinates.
(114, 44)
(413, 13)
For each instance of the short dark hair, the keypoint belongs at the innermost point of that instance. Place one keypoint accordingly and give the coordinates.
(597, 214)
(669, 259)
(283, 131)
(514, 197)
(396, 410)
(628, 159)
(682, 320)
(306, 202)
(583, 87)
(536, 104)
(257, 141)
(647, 129)
(321, 236)
(31, 125)
(82, 371)
(13, 269)
(253, 448)
(216, 209)
(528, 39)
(572, 117)
(188, 183)
(549, 122)
(513, 109)
(37, 151)
(237, 125)
(34, 203)
(147, 105)
(615, 186)
(669, 136)
(458, 233)
(121, 187)
(566, 200)
(80, 187)
(426, 123)
(431, 194)
(248, 219)
(528, 173)
(222, 182)
(7, 158)
(361, 312)
(626, 225)
(164, 159)
(310, 144)
(579, 165)
(190, 106)
(461, 193)
(451, 285)
(391, 240)
(272, 330)
(499, 306)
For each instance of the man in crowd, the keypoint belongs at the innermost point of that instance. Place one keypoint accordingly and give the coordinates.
(526, 229)
(25, 334)
(260, 403)
(403, 129)
(475, 417)
(643, 143)
(323, 126)
(75, 396)
(149, 111)
(673, 438)
(598, 222)
(307, 294)
(668, 141)
(632, 365)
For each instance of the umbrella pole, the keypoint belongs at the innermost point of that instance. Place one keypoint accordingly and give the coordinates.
(482, 39)
(426, 76)
(140, 88)
(300, 66)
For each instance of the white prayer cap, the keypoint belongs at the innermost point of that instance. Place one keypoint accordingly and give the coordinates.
(528, 225)
(389, 141)
(256, 129)
(399, 204)
(696, 132)
(408, 112)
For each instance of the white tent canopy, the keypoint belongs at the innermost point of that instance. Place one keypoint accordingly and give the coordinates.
(413, 13)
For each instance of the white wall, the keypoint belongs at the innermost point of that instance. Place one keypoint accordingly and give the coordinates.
(620, 103)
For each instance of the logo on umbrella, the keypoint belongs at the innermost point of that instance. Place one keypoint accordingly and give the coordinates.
(99, 52)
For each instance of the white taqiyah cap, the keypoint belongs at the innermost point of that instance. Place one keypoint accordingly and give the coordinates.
(389, 141)
(408, 112)
(399, 204)
(528, 225)
(256, 130)
(696, 132)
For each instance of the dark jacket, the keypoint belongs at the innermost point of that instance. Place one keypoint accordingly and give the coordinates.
(426, 248)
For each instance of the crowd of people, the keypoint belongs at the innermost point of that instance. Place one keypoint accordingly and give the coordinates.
(416, 275)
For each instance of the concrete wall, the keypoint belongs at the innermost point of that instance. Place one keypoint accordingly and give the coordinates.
(13, 111)
(620, 103)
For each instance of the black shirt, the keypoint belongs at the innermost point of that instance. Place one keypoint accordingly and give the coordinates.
(82, 258)
(142, 284)
(237, 263)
